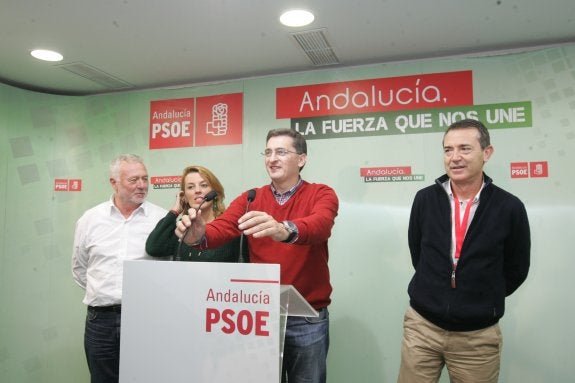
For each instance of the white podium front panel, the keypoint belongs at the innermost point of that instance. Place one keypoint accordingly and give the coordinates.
(200, 322)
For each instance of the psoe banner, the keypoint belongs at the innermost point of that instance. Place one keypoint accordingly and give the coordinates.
(204, 322)
(202, 121)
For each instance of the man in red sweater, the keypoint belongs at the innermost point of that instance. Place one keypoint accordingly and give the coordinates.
(289, 223)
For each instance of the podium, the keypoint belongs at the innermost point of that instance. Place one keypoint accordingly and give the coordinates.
(292, 304)
(204, 322)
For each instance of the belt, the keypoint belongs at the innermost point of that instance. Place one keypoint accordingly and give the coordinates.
(113, 308)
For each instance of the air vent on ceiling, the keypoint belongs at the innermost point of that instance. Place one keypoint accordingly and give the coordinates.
(316, 47)
(96, 75)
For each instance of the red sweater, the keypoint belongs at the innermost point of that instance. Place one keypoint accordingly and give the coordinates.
(304, 264)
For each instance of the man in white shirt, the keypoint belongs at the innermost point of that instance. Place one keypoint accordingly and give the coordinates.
(107, 235)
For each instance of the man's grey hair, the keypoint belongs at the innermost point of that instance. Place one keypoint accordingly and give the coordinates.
(116, 162)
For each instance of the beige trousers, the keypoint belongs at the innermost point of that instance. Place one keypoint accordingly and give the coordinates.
(470, 356)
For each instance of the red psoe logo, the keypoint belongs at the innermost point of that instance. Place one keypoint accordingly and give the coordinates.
(171, 123)
(60, 185)
(75, 185)
(519, 170)
(538, 169)
(219, 120)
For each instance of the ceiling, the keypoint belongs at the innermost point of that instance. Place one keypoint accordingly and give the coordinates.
(122, 45)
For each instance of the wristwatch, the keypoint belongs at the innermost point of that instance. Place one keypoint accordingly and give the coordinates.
(291, 229)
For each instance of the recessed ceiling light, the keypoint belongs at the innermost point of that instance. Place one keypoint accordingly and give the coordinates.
(297, 18)
(46, 55)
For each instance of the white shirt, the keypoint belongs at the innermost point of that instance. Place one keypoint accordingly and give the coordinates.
(473, 209)
(103, 240)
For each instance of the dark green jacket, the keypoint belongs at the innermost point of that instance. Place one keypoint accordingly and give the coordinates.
(163, 242)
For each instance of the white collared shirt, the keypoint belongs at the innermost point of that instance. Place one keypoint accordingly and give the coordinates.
(103, 240)
(475, 201)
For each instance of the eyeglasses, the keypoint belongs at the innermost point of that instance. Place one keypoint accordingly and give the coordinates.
(278, 152)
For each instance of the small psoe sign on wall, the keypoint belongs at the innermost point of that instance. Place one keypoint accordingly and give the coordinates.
(390, 174)
(166, 182)
(537, 169)
(62, 185)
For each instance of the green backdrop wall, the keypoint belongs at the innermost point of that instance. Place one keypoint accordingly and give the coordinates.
(44, 137)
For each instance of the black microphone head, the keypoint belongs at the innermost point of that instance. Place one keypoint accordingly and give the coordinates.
(251, 195)
(210, 195)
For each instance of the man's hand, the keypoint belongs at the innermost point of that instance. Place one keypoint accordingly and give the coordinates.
(191, 228)
(260, 224)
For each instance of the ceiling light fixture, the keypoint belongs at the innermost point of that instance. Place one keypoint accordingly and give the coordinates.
(46, 55)
(297, 18)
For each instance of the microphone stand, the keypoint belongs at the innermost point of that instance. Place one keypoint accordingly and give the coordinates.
(251, 197)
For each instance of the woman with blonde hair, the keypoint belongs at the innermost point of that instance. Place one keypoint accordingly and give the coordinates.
(197, 181)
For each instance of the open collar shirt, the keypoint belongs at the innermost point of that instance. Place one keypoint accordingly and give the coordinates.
(463, 204)
(284, 197)
(103, 240)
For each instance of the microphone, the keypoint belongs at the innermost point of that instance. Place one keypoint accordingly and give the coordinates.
(251, 197)
(208, 197)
